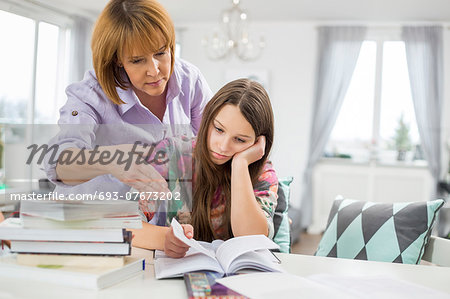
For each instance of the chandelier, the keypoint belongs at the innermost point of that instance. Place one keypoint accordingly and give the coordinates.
(233, 36)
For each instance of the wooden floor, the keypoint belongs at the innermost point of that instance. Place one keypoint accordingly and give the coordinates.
(307, 244)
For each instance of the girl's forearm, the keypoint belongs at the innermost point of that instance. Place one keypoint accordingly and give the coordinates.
(247, 217)
(149, 236)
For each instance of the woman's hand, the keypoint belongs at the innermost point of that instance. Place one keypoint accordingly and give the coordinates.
(147, 206)
(141, 176)
(253, 153)
(175, 248)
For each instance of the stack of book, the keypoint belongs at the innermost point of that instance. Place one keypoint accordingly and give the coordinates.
(68, 227)
(76, 236)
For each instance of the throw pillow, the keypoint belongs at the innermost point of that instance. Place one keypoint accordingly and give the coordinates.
(388, 232)
(281, 219)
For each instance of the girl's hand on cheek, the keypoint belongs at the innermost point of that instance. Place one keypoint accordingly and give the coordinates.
(254, 152)
(175, 248)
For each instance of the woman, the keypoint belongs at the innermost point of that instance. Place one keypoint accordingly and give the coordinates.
(234, 186)
(137, 92)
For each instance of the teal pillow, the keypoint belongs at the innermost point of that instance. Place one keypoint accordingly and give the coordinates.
(281, 224)
(387, 232)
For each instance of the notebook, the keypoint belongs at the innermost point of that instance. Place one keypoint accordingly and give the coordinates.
(336, 286)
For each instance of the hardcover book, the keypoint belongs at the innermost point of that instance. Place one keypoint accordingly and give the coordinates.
(203, 285)
(33, 259)
(65, 210)
(99, 248)
(74, 276)
(100, 223)
(13, 229)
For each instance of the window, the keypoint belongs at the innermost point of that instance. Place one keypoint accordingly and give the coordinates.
(377, 119)
(33, 57)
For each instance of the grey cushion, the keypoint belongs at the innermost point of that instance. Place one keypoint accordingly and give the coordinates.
(389, 232)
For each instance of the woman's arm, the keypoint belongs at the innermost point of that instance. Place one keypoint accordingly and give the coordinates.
(125, 162)
(80, 171)
(247, 217)
(202, 95)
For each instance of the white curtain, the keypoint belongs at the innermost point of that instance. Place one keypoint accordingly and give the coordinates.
(338, 51)
(81, 58)
(424, 55)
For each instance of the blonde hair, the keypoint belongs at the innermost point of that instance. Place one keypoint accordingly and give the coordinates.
(127, 25)
(254, 104)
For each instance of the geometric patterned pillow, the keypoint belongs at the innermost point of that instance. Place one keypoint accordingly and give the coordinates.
(387, 232)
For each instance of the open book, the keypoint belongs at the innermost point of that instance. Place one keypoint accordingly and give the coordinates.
(224, 257)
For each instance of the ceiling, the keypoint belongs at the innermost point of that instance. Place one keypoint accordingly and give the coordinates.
(288, 10)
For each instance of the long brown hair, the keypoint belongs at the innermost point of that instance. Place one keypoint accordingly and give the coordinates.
(128, 24)
(254, 104)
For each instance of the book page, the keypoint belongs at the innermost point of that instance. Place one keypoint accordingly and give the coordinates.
(179, 233)
(261, 260)
(237, 246)
(212, 247)
(166, 267)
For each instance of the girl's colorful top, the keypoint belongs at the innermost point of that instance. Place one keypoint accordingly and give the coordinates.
(172, 158)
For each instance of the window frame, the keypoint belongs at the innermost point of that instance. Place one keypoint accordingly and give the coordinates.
(379, 36)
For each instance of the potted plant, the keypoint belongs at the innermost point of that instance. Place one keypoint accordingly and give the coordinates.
(401, 139)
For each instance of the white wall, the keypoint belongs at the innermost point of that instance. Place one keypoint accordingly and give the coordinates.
(290, 58)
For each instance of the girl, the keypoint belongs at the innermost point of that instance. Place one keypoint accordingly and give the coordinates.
(234, 186)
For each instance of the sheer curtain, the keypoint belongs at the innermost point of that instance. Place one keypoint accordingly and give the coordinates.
(338, 51)
(81, 58)
(424, 55)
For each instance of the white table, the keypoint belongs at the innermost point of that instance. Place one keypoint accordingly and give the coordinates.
(146, 286)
